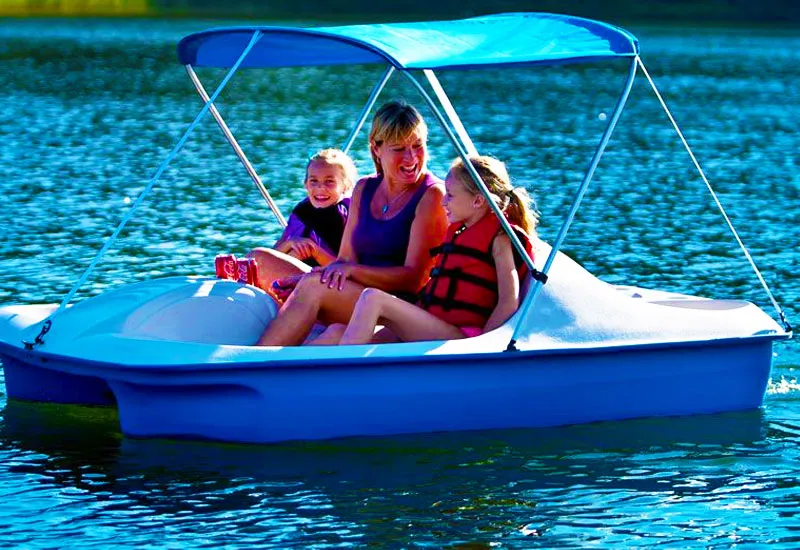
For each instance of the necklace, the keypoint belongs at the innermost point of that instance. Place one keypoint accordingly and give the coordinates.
(389, 203)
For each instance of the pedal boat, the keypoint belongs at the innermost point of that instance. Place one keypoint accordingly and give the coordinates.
(176, 356)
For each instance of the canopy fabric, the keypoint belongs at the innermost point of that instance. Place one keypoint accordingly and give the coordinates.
(502, 39)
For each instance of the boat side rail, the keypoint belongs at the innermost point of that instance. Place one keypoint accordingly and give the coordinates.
(359, 356)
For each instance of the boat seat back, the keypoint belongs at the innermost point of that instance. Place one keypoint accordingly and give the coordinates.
(180, 309)
(204, 311)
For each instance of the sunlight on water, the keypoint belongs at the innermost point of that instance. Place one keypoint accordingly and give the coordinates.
(783, 386)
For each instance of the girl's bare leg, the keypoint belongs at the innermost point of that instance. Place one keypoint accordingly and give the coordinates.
(409, 322)
(383, 335)
(310, 301)
(330, 337)
(333, 336)
(275, 265)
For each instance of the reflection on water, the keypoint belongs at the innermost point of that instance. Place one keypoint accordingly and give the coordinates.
(584, 484)
(91, 109)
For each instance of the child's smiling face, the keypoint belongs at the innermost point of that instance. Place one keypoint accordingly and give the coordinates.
(459, 204)
(325, 183)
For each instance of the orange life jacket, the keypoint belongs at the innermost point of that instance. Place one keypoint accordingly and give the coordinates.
(462, 289)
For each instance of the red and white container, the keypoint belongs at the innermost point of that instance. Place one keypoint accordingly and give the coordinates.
(226, 267)
(248, 271)
(244, 270)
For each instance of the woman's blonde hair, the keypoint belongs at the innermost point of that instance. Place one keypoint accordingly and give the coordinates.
(514, 202)
(337, 157)
(395, 122)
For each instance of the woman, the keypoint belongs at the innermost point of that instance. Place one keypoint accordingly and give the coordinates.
(396, 217)
(475, 286)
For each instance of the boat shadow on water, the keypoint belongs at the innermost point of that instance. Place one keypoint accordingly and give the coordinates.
(443, 483)
(74, 438)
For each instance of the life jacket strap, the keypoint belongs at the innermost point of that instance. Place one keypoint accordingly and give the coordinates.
(453, 248)
(459, 275)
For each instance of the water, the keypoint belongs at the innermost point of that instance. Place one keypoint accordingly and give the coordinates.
(92, 107)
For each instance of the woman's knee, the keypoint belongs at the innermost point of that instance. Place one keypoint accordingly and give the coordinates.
(309, 284)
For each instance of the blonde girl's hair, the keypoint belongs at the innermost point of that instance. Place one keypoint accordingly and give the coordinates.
(514, 202)
(395, 122)
(337, 157)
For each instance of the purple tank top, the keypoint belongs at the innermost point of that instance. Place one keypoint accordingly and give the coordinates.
(384, 243)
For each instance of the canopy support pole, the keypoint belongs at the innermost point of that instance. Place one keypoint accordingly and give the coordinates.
(47, 323)
(235, 144)
(451, 112)
(775, 304)
(462, 152)
(587, 178)
(362, 117)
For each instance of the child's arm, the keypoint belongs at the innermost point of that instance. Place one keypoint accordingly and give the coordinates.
(507, 283)
(306, 248)
(323, 256)
(294, 228)
(283, 245)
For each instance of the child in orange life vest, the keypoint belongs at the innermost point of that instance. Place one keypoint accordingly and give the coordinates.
(475, 285)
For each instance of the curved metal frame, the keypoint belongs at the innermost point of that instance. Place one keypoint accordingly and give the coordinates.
(47, 323)
(464, 146)
(235, 144)
(587, 178)
(362, 117)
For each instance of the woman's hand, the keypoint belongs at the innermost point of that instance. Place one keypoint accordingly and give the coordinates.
(334, 275)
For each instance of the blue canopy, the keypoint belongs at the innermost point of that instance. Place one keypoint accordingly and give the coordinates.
(502, 39)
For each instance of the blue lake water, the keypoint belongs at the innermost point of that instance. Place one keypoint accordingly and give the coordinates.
(92, 107)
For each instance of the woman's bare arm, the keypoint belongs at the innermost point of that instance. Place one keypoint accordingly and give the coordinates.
(427, 231)
(346, 252)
